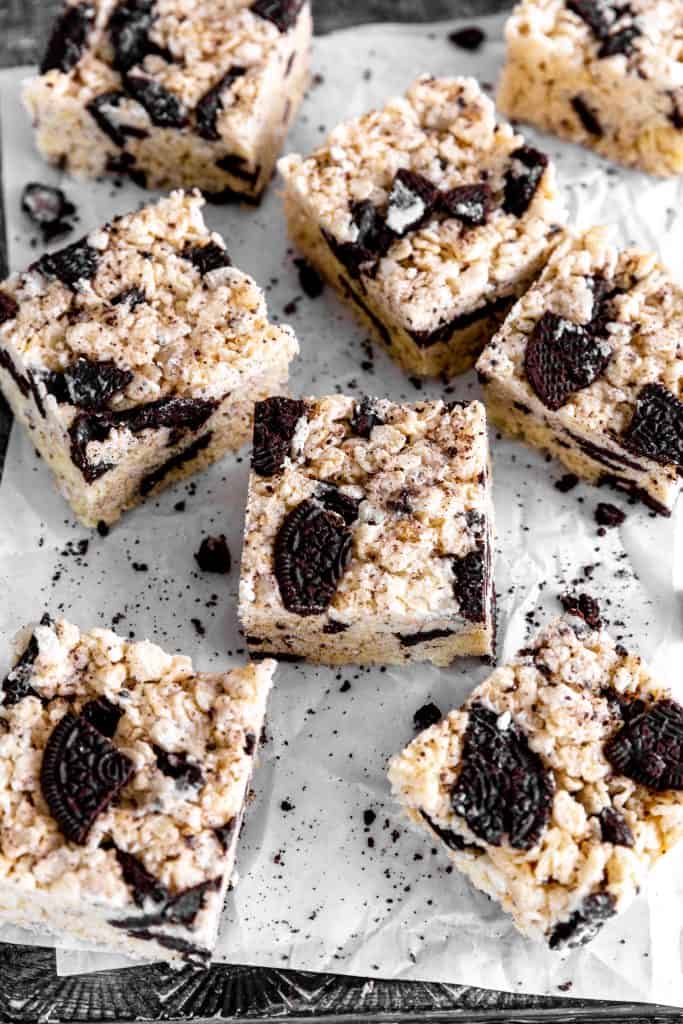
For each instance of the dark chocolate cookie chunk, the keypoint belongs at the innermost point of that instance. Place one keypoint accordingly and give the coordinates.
(16, 684)
(9, 307)
(584, 607)
(618, 42)
(562, 358)
(312, 550)
(614, 828)
(470, 204)
(366, 416)
(373, 238)
(452, 840)
(587, 116)
(656, 428)
(131, 297)
(522, 179)
(129, 31)
(104, 110)
(428, 714)
(585, 923)
(68, 38)
(211, 103)
(207, 257)
(214, 555)
(80, 775)
(145, 888)
(179, 768)
(334, 500)
(469, 584)
(413, 639)
(503, 791)
(310, 280)
(649, 747)
(608, 515)
(102, 715)
(48, 208)
(597, 14)
(87, 384)
(164, 108)
(282, 13)
(275, 421)
(150, 480)
(76, 262)
(470, 38)
(412, 198)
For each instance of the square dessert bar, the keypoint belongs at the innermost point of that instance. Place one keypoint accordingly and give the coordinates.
(428, 218)
(587, 365)
(368, 535)
(172, 92)
(557, 786)
(600, 72)
(134, 356)
(124, 777)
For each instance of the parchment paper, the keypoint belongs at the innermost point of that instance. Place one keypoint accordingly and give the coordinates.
(320, 889)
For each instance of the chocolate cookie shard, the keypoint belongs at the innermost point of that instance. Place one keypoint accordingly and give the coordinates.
(150, 480)
(428, 714)
(585, 923)
(562, 358)
(164, 108)
(469, 578)
(523, 178)
(214, 555)
(81, 773)
(608, 515)
(656, 427)
(282, 13)
(334, 500)
(211, 103)
(131, 297)
(587, 116)
(469, 204)
(596, 13)
(312, 550)
(584, 607)
(179, 768)
(88, 384)
(104, 110)
(178, 908)
(9, 307)
(207, 257)
(451, 839)
(129, 28)
(372, 241)
(649, 748)
(470, 38)
(622, 41)
(76, 262)
(275, 421)
(48, 208)
(145, 888)
(224, 834)
(413, 639)
(102, 715)
(503, 791)
(16, 684)
(412, 198)
(614, 828)
(68, 38)
(366, 416)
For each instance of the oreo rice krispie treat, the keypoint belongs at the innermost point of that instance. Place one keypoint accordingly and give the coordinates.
(557, 786)
(600, 72)
(124, 777)
(368, 535)
(587, 365)
(428, 218)
(172, 92)
(134, 356)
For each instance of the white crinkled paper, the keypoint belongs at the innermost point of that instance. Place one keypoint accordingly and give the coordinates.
(314, 894)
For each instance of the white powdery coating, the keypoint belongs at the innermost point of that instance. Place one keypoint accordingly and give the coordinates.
(166, 825)
(420, 475)
(444, 129)
(556, 696)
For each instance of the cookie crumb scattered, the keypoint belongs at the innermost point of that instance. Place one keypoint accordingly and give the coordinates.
(470, 38)
(214, 555)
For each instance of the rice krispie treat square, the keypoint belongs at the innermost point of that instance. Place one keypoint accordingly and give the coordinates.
(587, 365)
(133, 357)
(172, 92)
(428, 218)
(124, 777)
(557, 786)
(369, 530)
(600, 72)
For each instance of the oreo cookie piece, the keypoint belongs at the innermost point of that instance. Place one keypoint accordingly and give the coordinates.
(131, 297)
(584, 607)
(164, 108)
(614, 828)
(282, 13)
(207, 257)
(334, 500)
(129, 31)
(412, 199)
(656, 427)
(366, 417)
(503, 791)
(211, 103)
(527, 166)
(16, 684)
(150, 480)
(68, 38)
(102, 715)
(562, 358)
(275, 421)
(224, 834)
(469, 577)
(214, 555)
(470, 38)
(451, 839)
(597, 14)
(470, 204)
(649, 747)
(373, 238)
(428, 714)
(48, 208)
(621, 41)
(76, 262)
(585, 923)
(312, 550)
(81, 773)
(179, 768)
(104, 110)
(87, 384)
(587, 116)
(9, 307)
(145, 888)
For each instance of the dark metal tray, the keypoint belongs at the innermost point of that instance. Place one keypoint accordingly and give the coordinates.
(29, 987)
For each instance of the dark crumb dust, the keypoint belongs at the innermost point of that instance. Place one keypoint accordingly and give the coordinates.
(470, 38)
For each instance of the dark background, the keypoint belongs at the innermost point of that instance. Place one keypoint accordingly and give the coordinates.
(29, 987)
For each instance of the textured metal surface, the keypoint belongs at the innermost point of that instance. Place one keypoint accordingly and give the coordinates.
(29, 987)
